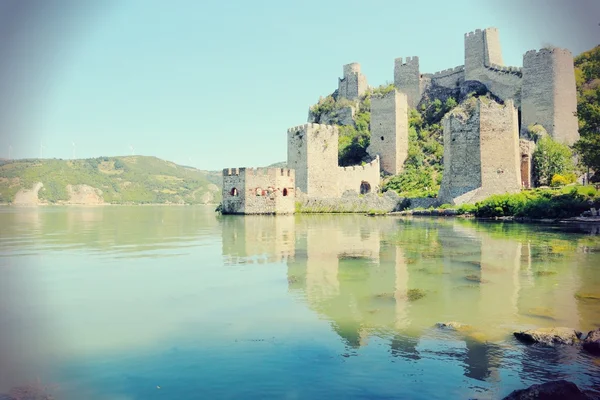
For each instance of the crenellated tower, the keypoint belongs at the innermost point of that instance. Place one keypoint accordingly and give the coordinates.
(407, 79)
(482, 49)
(389, 130)
(353, 84)
(548, 94)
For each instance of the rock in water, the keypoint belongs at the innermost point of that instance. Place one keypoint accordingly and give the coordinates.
(557, 390)
(592, 342)
(549, 336)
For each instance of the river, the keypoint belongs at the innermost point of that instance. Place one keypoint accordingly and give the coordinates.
(151, 302)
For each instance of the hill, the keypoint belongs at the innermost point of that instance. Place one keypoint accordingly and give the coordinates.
(112, 180)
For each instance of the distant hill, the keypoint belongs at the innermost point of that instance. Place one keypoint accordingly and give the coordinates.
(113, 180)
(281, 164)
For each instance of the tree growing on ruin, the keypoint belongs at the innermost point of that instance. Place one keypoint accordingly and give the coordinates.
(587, 76)
(551, 158)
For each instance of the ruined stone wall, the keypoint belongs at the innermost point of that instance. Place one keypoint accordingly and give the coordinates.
(389, 130)
(481, 151)
(407, 79)
(499, 146)
(449, 78)
(549, 93)
(353, 84)
(366, 176)
(462, 155)
(258, 191)
(313, 153)
(504, 82)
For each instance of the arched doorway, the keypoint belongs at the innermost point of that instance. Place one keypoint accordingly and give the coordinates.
(365, 187)
(233, 192)
(285, 191)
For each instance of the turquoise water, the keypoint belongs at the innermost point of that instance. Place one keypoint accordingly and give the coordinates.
(181, 303)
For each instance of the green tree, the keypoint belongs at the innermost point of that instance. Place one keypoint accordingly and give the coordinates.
(587, 76)
(551, 158)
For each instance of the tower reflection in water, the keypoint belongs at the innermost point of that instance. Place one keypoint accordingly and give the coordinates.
(394, 279)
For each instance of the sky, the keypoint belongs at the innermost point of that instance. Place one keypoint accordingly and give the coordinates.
(216, 84)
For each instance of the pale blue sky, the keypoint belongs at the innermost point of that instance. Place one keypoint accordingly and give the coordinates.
(216, 84)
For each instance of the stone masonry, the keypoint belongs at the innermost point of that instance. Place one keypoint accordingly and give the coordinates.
(407, 79)
(353, 84)
(389, 130)
(258, 191)
(481, 151)
(548, 95)
(313, 154)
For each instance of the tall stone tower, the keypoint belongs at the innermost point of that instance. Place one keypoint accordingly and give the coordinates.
(353, 84)
(482, 49)
(481, 151)
(389, 130)
(548, 94)
(313, 153)
(407, 79)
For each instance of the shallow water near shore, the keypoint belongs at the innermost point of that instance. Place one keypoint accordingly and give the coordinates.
(182, 303)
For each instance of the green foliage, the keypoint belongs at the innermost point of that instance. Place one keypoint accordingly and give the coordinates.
(122, 180)
(413, 182)
(466, 209)
(587, 76)
(550, 158)
(537, 203)
(562, 180)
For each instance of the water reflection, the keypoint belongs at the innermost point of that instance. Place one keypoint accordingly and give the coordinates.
(396, 278)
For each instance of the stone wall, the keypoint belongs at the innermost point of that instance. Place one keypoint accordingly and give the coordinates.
(258, 191)
(481, 151)
(482, 48)
(341, 116)
(361, 178)
(313, 153)
(350, 202)
(407, 79)
(389, 130)
(353, 84)
(449, 78)
(549, 93)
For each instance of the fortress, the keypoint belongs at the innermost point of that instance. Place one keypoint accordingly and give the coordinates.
(487, 146)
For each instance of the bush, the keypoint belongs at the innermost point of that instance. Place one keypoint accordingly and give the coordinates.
(558, 180)
(466, 209)
(551, 158)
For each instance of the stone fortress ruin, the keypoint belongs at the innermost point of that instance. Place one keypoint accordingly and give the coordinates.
(487, 145)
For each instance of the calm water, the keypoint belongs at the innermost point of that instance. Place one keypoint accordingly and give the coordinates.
(180, 303)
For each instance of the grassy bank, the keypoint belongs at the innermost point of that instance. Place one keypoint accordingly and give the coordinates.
(537, 203)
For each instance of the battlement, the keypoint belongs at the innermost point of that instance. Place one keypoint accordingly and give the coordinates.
(352, 68)
(312, 126)
(448, 71)
(474, 33)
(546, 52)
(231, 171)
(502, 68)
(260, 171)
(409, 61)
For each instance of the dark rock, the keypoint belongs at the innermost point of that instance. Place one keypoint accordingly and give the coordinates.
(549, 336)
(556, 390)
(592, 342)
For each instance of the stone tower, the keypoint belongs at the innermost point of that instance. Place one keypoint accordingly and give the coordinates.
(482, 49)
(313, 154)
(481, 151)
(389, 130)
(407, 79)
(548, 94)
(353, 84)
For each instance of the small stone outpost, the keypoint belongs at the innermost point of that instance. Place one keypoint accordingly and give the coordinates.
(487, 146)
